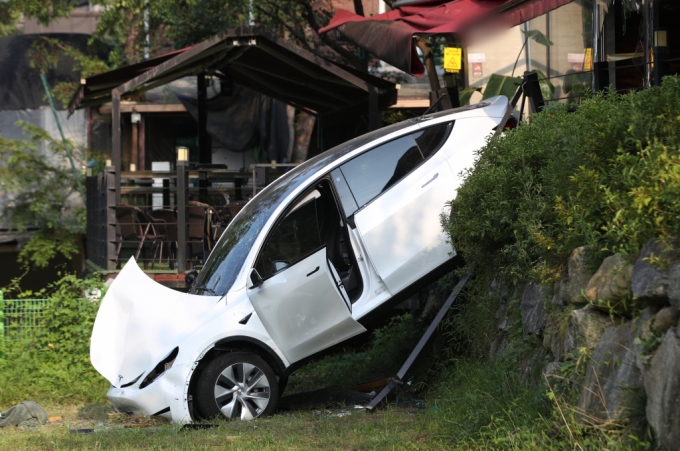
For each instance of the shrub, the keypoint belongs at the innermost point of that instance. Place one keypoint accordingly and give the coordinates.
(54, 366)
(605, 176)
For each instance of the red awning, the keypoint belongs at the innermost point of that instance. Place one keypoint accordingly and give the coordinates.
(389, 36)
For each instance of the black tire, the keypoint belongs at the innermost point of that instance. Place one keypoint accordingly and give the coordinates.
(237, 385)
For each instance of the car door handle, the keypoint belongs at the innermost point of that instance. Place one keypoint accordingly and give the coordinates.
(317, 268)
(431, 180)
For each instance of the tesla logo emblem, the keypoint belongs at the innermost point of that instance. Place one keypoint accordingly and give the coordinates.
(120, 378)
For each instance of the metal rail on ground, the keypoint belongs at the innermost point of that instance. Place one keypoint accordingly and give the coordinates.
(424, 343)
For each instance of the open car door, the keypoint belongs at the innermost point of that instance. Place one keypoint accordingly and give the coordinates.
(301, 300)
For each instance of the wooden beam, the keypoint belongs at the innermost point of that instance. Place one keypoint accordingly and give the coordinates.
(144, 108)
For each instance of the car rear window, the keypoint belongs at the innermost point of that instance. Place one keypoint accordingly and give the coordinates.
(376, 170)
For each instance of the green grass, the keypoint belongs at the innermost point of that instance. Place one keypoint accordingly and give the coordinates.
(474, 405)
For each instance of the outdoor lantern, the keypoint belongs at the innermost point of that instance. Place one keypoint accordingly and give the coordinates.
(660, 38)
(108, 163)
(182, 153)
(133, 167)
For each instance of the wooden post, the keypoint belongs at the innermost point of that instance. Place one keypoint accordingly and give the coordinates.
(116, 135)
(181, 216)
(112, 187)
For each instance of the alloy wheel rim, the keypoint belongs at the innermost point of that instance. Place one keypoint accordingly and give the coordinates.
(242, 391)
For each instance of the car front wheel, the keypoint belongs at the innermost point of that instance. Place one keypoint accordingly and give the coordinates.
(237, 385)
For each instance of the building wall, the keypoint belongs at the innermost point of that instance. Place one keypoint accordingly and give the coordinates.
(563, 26)
(80, 21)
(499, 52)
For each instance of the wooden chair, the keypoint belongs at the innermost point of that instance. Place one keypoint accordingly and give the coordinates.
(203, 221)
(135, 226)
(167, 228)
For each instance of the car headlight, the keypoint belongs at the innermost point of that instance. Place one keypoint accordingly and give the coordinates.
(160, 368)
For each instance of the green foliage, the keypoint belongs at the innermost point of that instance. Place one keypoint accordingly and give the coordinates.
(575, 85)
(382, 357)
(547, 88)
(537, 36)
(44, 11)
(54, 367)
(46, 53)
(605, 176)
(466, 93)
(41, 192)
(484, 405)
(191, 21)
(501, 85)
(9, 17)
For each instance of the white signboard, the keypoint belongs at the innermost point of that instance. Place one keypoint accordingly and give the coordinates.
(476, 57)
(576, 57)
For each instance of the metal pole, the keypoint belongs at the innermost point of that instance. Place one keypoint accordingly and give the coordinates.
(425, 342)
(181, 216)
(76, 174)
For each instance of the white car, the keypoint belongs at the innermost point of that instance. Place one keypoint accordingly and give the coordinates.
(314, 255)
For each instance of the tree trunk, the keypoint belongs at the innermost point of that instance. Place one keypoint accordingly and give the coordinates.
(359, 7)
(429, 64)
(303, 133)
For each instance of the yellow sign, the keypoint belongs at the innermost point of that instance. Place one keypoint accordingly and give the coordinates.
(588, 59)
(452, 59)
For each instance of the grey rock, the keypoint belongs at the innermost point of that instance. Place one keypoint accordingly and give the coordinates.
(645, 333)
(579, 275)
(552, 369)
(665, 319)
(498, 346)
(612, 375)
(662, 386)
(552, 339)
(609, 288)
(586, 327)
(531, 364)
(533, 309)
(562, 292)
(674, 285)
(649, 283)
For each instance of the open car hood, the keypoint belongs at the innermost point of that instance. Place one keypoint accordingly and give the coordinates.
(140, 322)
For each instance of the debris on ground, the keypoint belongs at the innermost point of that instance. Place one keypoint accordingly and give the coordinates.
(339, 413)
(28, 413)
(129, 421)
(328, 397)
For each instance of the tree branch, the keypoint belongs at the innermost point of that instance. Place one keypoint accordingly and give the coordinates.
(311, 20)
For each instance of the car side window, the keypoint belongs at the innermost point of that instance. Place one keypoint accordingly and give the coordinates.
(376, 170)
(295, 237)
(432, 139)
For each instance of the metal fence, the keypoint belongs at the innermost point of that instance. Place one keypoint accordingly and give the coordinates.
(21, 318)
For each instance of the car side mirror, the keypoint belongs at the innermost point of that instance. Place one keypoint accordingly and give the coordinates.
(277, 266)
(190, 278)
(254, 279)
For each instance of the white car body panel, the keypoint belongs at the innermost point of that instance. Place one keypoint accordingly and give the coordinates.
(302, 309)
(140, 321)
(402, 244)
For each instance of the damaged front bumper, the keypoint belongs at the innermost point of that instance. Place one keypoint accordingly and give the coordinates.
(166, 396)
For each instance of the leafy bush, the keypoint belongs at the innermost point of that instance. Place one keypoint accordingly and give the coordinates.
(55, 367)
(606, 176)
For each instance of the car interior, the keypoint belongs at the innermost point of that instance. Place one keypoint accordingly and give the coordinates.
(313, 222)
